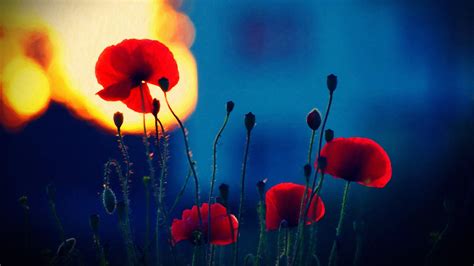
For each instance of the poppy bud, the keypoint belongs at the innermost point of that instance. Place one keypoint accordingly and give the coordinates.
(164, 84)
(156, 107)
(314, 119)
(224, 192)
(23, 200)
(322, 163)
(249, 121)
(328, 135)
(332, 83)
(94, 223)
(146, 180)
(118, 120)
(230, 106)
(109, 200)
(307, 171)
(66, 247)
(261, 187)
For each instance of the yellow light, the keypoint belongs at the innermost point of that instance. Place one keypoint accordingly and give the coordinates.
(78, 33)
(25, 87)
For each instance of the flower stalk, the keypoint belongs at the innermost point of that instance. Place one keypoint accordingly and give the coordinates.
(260, 258)
(188, 153)
(249, 124)
(230, 107)
(335, 244)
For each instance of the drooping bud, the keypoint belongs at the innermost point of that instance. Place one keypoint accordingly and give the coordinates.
(313, 119)
(283, 223)
(118, 120)
(109, 200)
(224, 192)
(155, 107)
(307, 171)
(94, 223)
(332, 83)
(66, 247)
(146, 180)
(164, 84)
(328, 135)
(322, 163)
(261, 187)
(249, 121)
(230, 106)
(23, 200)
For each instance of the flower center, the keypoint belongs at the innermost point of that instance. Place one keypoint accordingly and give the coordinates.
(198, 238)
(141, 75)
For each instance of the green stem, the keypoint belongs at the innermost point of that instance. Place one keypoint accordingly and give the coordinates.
(281, 243)
(434, 248)
(125, 222)
(147, 220)
(302, 214)
(333, 255)
(311, 142)
(160, 192)
(213, 179)
(261, 239)
(190, 160)
(321, 141)
(299, 233)
(99, 250)
(195, 256)
(288, 245)
(241, 204)
(181, 192)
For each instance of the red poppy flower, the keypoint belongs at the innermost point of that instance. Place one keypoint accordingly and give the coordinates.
(283, 202)
(121, 68)
(359, 160)
(185, 228)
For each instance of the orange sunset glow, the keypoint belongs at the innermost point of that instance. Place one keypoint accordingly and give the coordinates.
(49, 52)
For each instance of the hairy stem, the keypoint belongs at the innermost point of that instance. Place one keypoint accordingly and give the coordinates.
(333, 255)
(190, 160)
(213, 179)
(241, 203)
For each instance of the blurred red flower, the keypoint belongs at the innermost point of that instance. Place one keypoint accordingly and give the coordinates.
(359, 160)
(121, 68)
(283, 202)
(186, 227)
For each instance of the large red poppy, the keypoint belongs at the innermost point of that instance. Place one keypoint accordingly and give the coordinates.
(283, 202)
(185, 228)
(360, 160)
(121, 68)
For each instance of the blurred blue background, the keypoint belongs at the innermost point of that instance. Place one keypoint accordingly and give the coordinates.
(406, 80)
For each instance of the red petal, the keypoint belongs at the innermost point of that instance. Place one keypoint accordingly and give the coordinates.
(130, 59)
(221, 233)
(116, 92)
(316, 210)
(180, 230)
(360, 160)
(160, 60)
(135, 101)
(283, 202)
(115, 64)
